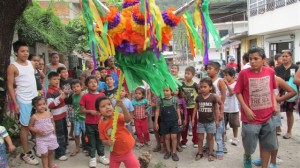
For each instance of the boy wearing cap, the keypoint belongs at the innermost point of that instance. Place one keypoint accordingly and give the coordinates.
(232, 64)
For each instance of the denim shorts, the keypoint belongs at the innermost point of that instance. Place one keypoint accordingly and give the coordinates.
(206, 128)
(79, 127)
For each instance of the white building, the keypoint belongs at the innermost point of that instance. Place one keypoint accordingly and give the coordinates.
(278, 24)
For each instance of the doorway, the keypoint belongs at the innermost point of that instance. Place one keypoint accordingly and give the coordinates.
(280, 47)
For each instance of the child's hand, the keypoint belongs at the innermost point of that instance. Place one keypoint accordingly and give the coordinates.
(40, 132)
(63, 95)
(249, 114)
(156, 127)
(93, 112)
(11, 148)
(179, 122)
(110, 142)
(119, 103)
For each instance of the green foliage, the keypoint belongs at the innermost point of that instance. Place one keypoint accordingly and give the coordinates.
(12, 126)
(77, 28)
(42, 25)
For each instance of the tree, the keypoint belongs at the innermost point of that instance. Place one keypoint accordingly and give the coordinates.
(10, 12)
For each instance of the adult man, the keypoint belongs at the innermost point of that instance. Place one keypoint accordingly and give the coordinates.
(232, 64)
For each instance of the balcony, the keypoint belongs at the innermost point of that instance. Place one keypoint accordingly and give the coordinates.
(273, 16)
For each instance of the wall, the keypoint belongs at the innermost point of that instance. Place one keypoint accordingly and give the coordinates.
(245, 43)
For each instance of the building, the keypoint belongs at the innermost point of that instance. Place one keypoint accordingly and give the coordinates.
(275, 24)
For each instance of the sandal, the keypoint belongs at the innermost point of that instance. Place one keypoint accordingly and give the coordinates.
(54, 166)
(156, 149)
(140, 146)
(199, 156)
(211, 157)
(220, 157)
(74, 152)
(179, 149)
(287, 136)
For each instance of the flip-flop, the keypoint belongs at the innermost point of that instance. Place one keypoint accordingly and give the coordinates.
(287, 136)
(74, 153)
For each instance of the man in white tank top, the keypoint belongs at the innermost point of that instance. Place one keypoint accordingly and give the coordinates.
(21, 73)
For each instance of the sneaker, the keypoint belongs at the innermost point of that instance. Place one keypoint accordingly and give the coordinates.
(67, 151)
(247, 162)
(225, 149)
(175, 157)
(279, 161)
(195, 145)
(271, 165)
(183, 146)
(93, 163)
(63, 158)
(29, 158)
(257, 162)
(234, 141)
(167, 155)
(103, 160)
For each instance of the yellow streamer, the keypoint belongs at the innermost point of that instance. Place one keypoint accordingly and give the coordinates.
(96, 15)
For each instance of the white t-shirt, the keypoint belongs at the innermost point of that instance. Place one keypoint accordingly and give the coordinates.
(3, 134)
(231, 104)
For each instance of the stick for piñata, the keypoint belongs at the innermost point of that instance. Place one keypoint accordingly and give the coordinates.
(116, 112)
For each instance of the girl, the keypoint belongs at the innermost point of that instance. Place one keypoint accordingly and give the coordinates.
(11, 147)
(42, 124)
(124, 142)
(101, 85)
(141, 117)
(208, 116)
(179, 94)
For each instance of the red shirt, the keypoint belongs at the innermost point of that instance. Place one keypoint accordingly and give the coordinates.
(88, 101)
(230, 65)
(257, 90)
(124, 140)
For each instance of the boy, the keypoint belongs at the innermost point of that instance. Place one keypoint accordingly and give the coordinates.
(255, 89)
(231, 105)
(111, 89)
(56, 103)
(65, 86)
(213, 69)
(103, 73)
(87, 107)
(170, 119)
(21, 74)
(79, 118)
(190, 89)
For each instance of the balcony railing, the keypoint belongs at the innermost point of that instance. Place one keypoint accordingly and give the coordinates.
(257, 7)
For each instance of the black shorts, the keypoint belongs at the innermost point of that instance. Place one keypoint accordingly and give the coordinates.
(287, 107)
(169, 127)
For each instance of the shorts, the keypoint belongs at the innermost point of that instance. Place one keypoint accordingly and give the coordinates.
(25, 112)
(277, 120)
(168, 127)
(210, 128)
(265, 133)
(79, 127)
(233, 119)
(287, 107)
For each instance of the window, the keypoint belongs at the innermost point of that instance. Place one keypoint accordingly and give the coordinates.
(223, 33)
(253, 43)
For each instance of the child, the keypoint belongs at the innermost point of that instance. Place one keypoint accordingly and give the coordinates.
(87, 107)
(174, 72)
(190, 89)
(111, 89)
(103, 73)
(42, 124)
(257, 107)
(183, 113)
(65, 86)
(57, 106)
(101, 85)
(21, 74)
(213, 69)
(39, 75)
(231, 105)
(124, 142)
(79, 118)
(170, 119)
(141, 117)
(208, 116)
(11, 147)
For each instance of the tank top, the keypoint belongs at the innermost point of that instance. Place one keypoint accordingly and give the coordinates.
(215, 83)
(26, 84)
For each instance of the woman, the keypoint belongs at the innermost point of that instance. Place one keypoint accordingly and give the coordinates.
(113, 70)
(87, 72)
(53, 66)
(285, 71)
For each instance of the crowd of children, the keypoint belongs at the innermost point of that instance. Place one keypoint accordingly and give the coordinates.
(205, 108)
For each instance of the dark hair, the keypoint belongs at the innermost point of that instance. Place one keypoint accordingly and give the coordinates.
(298, 63)
(288, 52)
(230, 71)
(214, 64)
(246, 57)
(53, 53)
(36, 100)
(75, 81)
(175, 65)
(60, 69)
(87, 80)
(277, 56)
(108, 76)
(30, 57)
(142, 90)
(271, 62)
(18, 44)
(100, 68)
(258, 50)
(191, 69)
(208, 81)
(53, 74)
(99, 100)
(106, 61)
(181, 93)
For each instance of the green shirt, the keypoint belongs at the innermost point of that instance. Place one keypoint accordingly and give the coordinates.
(76, 108)
(167, 102)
